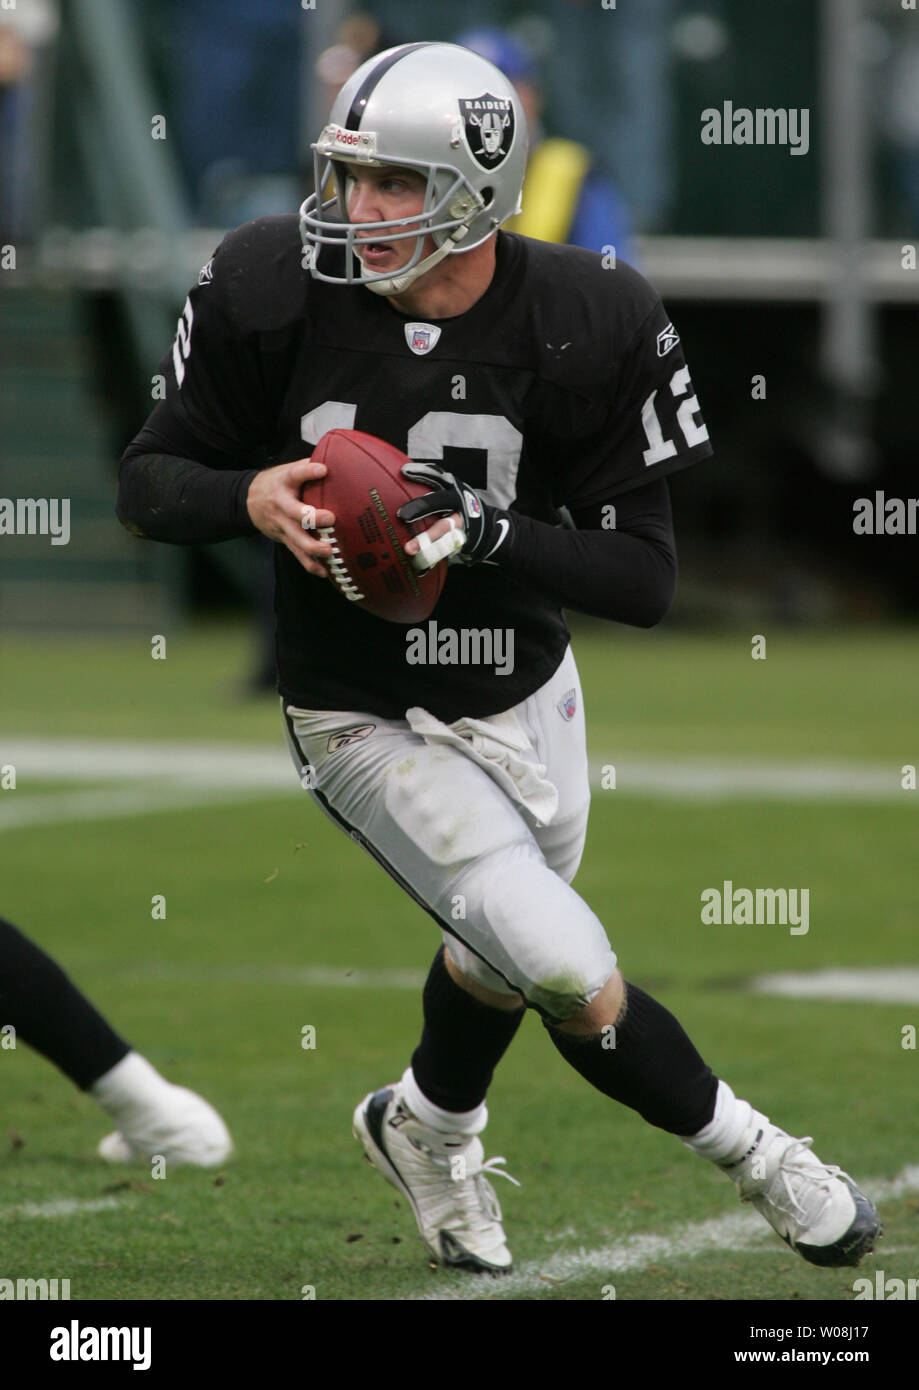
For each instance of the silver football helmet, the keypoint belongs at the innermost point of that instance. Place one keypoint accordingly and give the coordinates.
(440, 110)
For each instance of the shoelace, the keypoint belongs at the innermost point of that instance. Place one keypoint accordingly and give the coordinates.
(792, 1167)
(491, 1167)
(444, 1161)
(476, 1196)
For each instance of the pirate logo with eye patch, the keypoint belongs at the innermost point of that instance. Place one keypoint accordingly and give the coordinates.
(488, 125)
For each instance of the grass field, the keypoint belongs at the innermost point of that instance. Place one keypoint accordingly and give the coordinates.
(274, 920)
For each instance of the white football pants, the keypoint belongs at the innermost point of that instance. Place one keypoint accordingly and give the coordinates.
(457, 816)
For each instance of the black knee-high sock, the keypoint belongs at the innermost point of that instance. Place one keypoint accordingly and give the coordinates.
(653, 1067)
(50, 1014)
(461, 1044)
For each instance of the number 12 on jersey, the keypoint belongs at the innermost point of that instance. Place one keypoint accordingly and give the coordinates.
(694, 433)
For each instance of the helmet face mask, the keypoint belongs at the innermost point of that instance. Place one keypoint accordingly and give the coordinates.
(437, 110)
(447, 204)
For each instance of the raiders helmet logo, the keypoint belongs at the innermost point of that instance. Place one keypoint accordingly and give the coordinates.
(488, 125)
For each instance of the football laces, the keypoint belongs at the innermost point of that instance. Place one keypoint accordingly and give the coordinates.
(338, 569)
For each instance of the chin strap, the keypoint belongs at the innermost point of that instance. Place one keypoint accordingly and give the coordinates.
(396, 284)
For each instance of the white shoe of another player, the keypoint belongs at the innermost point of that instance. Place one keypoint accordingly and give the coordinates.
(816, 1208)
(443, 1176)
(179, 1125)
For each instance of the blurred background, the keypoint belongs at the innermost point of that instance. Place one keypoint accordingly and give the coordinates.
(132, 135)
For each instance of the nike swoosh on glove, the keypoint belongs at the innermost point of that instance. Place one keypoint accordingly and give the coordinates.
(486, 527)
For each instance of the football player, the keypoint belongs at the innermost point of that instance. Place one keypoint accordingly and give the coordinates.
(524, 378)
(43, 1008)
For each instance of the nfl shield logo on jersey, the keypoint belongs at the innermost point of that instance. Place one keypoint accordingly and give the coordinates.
(488, 124)
(568, 704)
(421, 337)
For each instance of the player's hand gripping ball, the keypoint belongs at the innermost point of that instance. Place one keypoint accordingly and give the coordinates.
(365, 488)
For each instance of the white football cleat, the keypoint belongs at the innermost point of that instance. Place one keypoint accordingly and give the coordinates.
(816, 1208)
(180, 1126)
(443, 1176)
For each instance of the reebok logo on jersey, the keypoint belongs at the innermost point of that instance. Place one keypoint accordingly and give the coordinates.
(352, 735)
(421, 337)
(206, 273)
(667, 339)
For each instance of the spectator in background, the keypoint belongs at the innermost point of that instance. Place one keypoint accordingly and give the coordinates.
(565, 197)
(26, 31)
(235, 70)
(901, 120)
(359, 37)
(609, 85)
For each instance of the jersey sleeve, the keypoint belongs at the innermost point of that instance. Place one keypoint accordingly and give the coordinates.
(214, 383)
(645, 424)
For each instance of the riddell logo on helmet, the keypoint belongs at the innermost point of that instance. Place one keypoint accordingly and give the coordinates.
(335, 137)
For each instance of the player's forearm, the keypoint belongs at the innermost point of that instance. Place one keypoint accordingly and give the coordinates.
(164, 498)
(606, 574)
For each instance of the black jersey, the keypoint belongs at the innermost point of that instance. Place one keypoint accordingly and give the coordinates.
(564, 385)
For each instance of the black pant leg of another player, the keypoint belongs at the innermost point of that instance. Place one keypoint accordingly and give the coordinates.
(647, 1063)
(462, 1042)
(50, 1014)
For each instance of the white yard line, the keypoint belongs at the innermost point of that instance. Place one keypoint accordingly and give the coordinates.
(317, 976)
(865, 985)
(118, 760)
(739, 1231)
(164, 777)
(732, 779)
(105, 803)
(61, 1206)
(893, 985)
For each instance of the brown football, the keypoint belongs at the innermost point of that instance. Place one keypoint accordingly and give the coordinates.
(365, 488)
